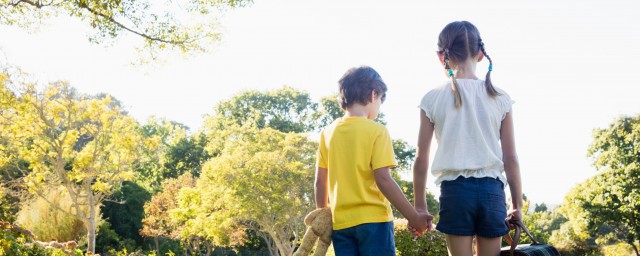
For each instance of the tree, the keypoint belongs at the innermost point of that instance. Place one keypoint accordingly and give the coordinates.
(285, 109)
(262, 177)
(185, 25)
(84, 144)
(540, 208)
(154, 165)
(125, 211)
(573, 237)
(614, 198)
(158, 223)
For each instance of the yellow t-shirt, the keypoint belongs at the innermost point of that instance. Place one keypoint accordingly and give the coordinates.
(350, 149)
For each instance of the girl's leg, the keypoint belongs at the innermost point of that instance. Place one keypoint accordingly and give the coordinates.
(459, 245)
(488, 246)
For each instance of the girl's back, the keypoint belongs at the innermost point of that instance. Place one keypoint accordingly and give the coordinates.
(468, 137)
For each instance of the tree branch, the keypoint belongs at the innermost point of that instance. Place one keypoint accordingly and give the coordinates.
(117, 23)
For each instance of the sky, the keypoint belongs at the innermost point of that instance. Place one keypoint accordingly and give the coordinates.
(569, 66)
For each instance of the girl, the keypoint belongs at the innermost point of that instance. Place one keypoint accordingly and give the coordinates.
(473, 124)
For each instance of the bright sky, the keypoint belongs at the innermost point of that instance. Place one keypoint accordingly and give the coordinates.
(567, 64)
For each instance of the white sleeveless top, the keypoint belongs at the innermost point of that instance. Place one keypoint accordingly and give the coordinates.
(469, 137)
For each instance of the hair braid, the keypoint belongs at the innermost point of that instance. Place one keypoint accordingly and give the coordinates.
(487, 82)
(454, 83)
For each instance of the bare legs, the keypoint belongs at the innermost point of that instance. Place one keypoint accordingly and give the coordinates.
(462, 245)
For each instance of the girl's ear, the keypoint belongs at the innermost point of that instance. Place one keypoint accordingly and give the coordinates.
(480, 56)
(441, 57)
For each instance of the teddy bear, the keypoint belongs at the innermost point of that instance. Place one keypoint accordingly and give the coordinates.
(319, 226)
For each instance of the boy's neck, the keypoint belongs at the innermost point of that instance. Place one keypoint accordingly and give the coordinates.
(357, 110)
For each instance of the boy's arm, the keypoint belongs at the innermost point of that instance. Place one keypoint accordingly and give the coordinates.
(421, 165)
(321, 188)
(394, 194)
(511, 165)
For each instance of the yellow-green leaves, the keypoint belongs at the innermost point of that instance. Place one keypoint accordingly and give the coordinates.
(58, 138)
(185, 26)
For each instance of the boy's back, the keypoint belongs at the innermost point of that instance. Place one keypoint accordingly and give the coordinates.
(354, 157)
(350, 149)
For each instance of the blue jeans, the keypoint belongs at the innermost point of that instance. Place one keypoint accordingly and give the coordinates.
(365, 239)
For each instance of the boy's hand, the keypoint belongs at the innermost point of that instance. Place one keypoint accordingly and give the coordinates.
(424, 224)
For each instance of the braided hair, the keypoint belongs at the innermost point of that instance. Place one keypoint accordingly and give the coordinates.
(459, 41)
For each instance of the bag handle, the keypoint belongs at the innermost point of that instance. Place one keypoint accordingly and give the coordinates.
(513, 242)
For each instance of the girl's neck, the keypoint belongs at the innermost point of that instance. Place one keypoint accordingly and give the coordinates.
(466, 70)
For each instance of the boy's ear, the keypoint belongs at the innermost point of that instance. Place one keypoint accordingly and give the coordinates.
(373, 96)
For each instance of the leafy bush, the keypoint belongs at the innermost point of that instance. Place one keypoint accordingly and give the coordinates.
(18, 244)
(431, 243)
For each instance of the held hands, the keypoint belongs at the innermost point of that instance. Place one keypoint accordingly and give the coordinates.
(422, 224)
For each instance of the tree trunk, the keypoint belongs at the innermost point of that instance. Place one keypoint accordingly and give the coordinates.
(270, 244)
(91, 237)
(155, 239)
(635, 248)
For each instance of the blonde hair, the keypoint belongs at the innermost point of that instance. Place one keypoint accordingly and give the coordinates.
(459, 41)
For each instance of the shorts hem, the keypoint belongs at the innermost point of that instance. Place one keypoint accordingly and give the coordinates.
(493, 235)
(455, 233)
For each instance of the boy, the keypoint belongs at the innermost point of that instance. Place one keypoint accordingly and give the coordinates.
(354, 157)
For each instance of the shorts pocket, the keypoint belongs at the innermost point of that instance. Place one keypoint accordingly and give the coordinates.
(496, 202)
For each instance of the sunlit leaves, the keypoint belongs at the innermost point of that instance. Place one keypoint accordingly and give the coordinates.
(182, 25)
(83, 144)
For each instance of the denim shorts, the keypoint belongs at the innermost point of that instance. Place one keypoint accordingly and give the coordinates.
(473, 206)
(364, 240)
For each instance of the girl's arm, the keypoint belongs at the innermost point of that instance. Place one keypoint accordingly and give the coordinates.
(421, 165)
(511, 165)
(321, 188)
(393, 193)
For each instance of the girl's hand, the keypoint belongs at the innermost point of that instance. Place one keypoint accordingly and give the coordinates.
(424, 224)
(513, 215)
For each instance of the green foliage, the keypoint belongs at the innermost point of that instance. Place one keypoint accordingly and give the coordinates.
(160, 137)
(329, 110)
(13, 243)
(83, 144)
(618, 249)
(431, 243)
(285, 110)
(126, 211)
(407, 188)
(405, 154)
(262, 176)
(184, 25)
(8, 204)
(540, 208)
(573, 237)
(107, 239)
(613, 199)
(541, 224)
(187, 156)
(158, 224)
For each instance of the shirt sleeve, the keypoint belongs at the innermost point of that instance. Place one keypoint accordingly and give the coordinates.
(505, 104)
(321, 155)
(426, 104)
(383, 155)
